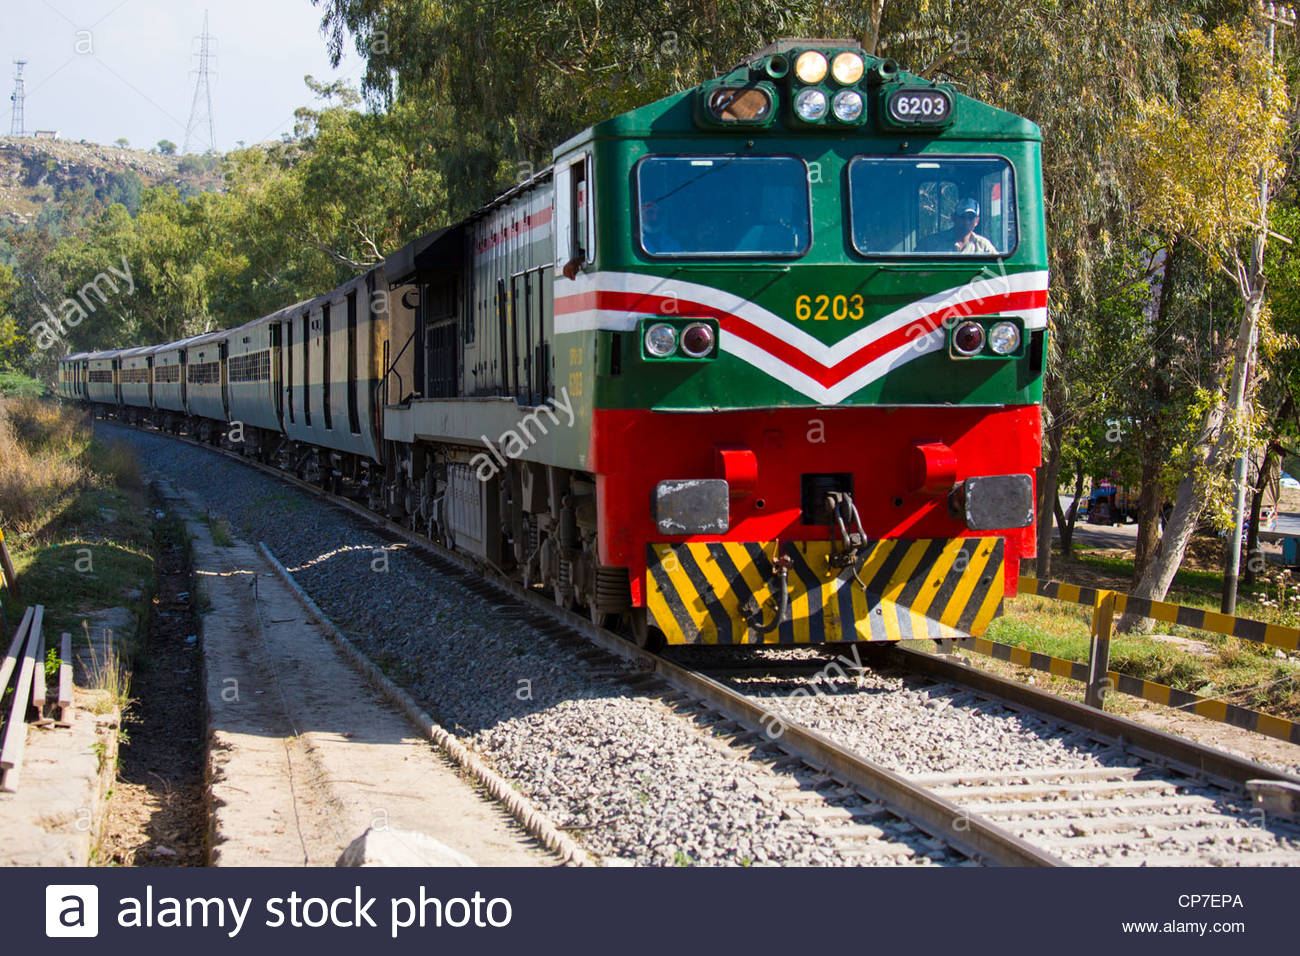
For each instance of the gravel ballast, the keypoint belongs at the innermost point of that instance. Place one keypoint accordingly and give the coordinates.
(631, 779)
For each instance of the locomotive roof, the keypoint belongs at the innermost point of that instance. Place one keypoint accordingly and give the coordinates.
(674, 115)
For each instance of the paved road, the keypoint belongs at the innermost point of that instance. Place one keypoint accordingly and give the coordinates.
(1124, 535)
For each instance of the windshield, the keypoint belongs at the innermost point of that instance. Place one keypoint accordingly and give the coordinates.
(723, 206)
(932, 207)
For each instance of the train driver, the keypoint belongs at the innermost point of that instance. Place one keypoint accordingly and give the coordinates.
(962, 237)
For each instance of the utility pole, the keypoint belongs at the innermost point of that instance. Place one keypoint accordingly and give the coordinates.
(19, 94)
(200, 123)
(1274, 15)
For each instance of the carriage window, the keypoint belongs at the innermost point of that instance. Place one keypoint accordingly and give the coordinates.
(932, 207)
(724, 206)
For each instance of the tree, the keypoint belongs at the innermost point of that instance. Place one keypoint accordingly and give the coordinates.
(121, 142)
(1078, 69)
(166, 147)
(11, 335)
(1200, 159)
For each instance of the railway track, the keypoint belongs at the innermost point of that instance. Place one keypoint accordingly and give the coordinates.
(1114, 793)
(1145, 797)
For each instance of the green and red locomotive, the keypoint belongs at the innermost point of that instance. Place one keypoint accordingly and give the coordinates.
(760, 362)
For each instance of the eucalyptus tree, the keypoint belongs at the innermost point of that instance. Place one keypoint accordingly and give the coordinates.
(11, 333)
(1200, 160)
(1080, 70)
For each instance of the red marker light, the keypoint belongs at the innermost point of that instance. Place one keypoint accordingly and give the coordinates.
(697, 340)
(968, 339)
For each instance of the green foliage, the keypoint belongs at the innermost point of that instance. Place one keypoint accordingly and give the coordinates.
(17, 385)
(1199, 157)
(166, 147)
(11, 336)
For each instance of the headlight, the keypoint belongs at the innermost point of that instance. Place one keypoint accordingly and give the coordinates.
(810, 67)
(661, 340)
(967, 339)
(847, 68)
(1004, 338)
(810, 104)
(847, 106)
(697, 340)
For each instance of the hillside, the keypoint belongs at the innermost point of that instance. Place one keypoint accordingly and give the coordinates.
(35, 173)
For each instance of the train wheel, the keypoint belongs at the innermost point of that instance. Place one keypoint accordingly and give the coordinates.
(644, 635)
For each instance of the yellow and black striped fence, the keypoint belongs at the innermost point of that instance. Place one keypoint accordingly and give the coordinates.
(1098, 677)
(1287, 638)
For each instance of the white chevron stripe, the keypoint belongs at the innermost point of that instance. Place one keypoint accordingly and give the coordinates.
(673, 292)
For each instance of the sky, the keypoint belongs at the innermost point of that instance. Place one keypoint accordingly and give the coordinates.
(103, 69)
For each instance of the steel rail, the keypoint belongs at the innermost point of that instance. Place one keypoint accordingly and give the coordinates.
(1186, 755)
(1179, 753)
(966, 832)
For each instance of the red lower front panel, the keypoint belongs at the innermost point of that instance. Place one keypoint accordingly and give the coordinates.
(633, 450)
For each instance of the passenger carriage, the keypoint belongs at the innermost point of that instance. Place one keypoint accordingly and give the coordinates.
(101, 378)
(205, 384)
(135, 380)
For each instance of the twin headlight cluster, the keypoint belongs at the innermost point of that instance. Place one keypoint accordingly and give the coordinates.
(691, 339)
(997, 337)
(992, 337)
(813, 102)
(820, 86)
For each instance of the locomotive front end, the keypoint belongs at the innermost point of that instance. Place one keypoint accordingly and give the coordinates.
(816, 339)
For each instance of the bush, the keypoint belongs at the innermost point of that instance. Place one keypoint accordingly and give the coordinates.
(42, 449)
(115, 462)
(15, 383)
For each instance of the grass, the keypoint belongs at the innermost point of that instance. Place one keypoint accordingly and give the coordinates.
(19, 385)
(75, 518)
(220, 529)
(43, 461)
(1242, 672)
(109, 673)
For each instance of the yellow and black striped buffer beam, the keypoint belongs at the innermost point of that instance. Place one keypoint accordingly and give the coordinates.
(900, 589)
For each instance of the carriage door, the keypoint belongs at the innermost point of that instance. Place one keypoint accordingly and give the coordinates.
(225, 381)
(441, 342)
(273, 370)
(354, 412)
(543, 321)
(521, 324)
(503, 332)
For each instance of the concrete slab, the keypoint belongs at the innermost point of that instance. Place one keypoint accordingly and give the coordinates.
(54, 818)
(304, 755)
